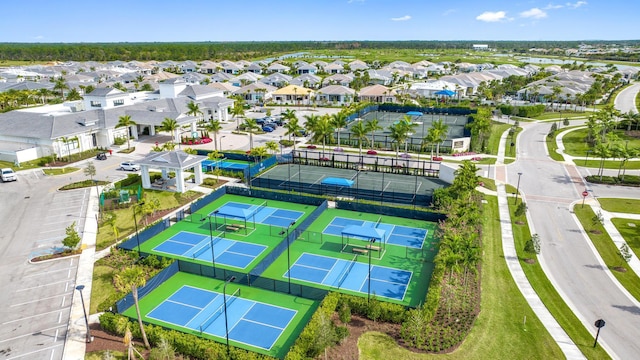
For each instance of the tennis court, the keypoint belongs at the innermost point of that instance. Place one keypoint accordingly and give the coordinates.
(198, 246)
(262, 213)
(394, 234)
(203, 310)
(351, 275)
(224, 164)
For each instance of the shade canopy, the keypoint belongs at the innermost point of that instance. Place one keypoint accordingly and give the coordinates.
(337, 181)
(446, 92)
(414, 113)
(364, 232)
(234, 212)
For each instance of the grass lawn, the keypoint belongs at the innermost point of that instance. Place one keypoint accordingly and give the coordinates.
(575, 145)
(101, 286)
(608, 164)
(582, 337)
(629, 206)
(564, 114)
(628, 228)
(552, 148)
(497, 129)
(608, 251)
(500, 328)
(60, 171)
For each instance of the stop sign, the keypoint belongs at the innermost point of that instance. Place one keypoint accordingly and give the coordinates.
(585, 193)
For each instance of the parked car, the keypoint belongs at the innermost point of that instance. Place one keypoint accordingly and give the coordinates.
(129, 166)
(260, 121)
(101, 156)
(8, 175)
(372, 152)
(267, 128)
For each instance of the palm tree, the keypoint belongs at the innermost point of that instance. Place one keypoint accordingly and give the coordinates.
(339, 121)
(250, 125)
(438, 133)
(193, 109)
(126, 122)
(359, 132)
(259, 152)
(603, 151)
(236, 111)
(293, 128)
(130, 279)
(289, 115)
(371, 127)
(214, 127)
(272, 146)
(399, 134)
(61, 85)
(322, 130)
(310, 122)
(171, 126)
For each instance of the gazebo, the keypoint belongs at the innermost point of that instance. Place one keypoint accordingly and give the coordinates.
(170, 161)
(365, 236)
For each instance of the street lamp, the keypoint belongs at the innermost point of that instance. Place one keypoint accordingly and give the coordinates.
(213, 258)
(288, 253)
(135, 222)
(371, 241)
(384, 162)
(224, 298)
(221, 137)
(88, 337)
(518, 187)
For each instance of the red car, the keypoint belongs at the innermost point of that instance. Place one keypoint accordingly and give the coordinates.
(311, 146)
(372, 152)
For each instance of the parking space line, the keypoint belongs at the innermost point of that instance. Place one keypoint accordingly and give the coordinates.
(31, 333)
(41, 286)
(34, 316)
(44, 273)
(37, 351)
(38, 300)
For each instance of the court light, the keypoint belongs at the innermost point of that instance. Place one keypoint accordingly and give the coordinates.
(224, 298)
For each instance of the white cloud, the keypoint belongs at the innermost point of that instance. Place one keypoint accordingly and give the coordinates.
(449, 12)
(491, 16)
(552, 7)
(576, 4)
(534, 13)
(403, 18)
(39, 37)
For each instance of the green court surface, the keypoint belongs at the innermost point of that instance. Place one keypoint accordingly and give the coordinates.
(288, 331)
(227, 230)
(415, 255)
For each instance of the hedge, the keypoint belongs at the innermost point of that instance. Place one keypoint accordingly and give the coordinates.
(375, 310)
(629, 180)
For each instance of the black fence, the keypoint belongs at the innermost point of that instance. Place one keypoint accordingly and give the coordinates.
(123, 304)
(144, 235)
(304, 291)
(418, 214)
(274, 195)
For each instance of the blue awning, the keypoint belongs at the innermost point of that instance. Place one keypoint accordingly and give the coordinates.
(337, 181)
(364, 232)
(414, 113)
(234, 212)
(446, 92)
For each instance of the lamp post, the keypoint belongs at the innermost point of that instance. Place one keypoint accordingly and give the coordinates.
(518, 187)
(213, 257)
(224, 298)
(371, 241)
(221, 137)
(384, 162)
(88, 337)
(288, 254)
(135, 222)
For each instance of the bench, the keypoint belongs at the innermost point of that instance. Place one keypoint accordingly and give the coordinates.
(239, 226)
(373, 247)
(232, 228)
(360, 251)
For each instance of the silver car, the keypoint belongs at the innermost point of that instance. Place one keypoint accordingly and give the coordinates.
(129, 166)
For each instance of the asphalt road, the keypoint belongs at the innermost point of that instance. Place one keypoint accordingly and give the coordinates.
(567, 255)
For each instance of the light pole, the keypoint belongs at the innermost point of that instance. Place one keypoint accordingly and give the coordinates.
(226, 322)
(288, 254)
(213, 257)
(371, 241)
(88, 337)
(518, 187)
(384, 162)
(135, 222)
(221, 137)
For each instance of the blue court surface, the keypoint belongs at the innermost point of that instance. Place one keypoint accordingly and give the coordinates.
(249, 322)
(198, 246)
(261, 214)
(351, 275)
(209, 165)
(394, 234)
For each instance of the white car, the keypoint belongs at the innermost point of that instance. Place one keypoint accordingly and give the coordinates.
(8, 175)
(129, 166)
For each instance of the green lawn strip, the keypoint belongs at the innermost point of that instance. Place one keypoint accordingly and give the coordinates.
(608, 251)
(101, 286)
(398, 257)
(489, 183)
(266, 235)
(497, 129)
(510, 150)
(629, 233)
(552, 148)
(629, 206)
(60, 171)
(549, 296)
(608, 164)
(559, 116)
(124, 217)
(500, 328)
(304, 308)
(575, 144)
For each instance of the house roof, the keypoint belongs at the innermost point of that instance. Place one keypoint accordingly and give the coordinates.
(376, 90)
(293, 90)
(336, 90)
(171, 160)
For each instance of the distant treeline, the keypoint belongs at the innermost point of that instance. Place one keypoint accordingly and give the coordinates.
(102, 52)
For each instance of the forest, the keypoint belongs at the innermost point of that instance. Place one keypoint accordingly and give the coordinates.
(160, 51)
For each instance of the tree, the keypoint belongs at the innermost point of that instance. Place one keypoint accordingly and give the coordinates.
(74, 95)
(90, 170)
(237, 111)
(322, 130)
(60, 85)
(130, 279)
(72, 239)
(480, 127)
(214, 127)
(271, 146)
(193, 109)
(438, 133)
(339, 121)
(126, 122)
(292, 128)
(171, 126)
(359, 132)
(625, 253)
(521, 209)
(415, 327)
(371, 127)
(533, 245)
(259, 152)
(251, 126)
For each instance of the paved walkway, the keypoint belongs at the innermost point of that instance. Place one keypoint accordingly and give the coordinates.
(563, 340)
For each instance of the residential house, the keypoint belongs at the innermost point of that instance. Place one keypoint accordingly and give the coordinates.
(306, 69)
(293, 94)
(256, 93)
(338, 79)
(309, 81)
(334, 68)
(188, 66)
(245, 78)
(220, 77)
(254, 68)
(277, 80)
(278, 68)
(335, 95)
(358, 65)
(377, 94)
(227, 89)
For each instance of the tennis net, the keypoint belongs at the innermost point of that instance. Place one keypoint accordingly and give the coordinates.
(378, 222)
(260, 207)
(216, 314)
(201, 251)
(348, 269)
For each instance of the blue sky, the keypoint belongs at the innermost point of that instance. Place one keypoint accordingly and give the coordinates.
(293, 20)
